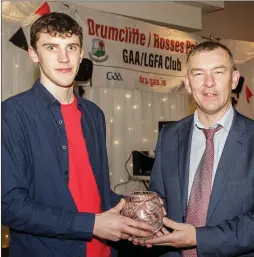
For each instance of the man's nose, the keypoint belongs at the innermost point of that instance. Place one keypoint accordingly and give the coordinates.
(63, 56)
(209, 80)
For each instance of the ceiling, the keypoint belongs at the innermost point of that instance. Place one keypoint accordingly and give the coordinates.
(206, 6)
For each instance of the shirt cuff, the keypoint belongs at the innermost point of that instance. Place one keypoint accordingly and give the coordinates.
(83, 225)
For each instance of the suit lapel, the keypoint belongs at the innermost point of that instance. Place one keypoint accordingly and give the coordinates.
(184, 139)
(232, 149)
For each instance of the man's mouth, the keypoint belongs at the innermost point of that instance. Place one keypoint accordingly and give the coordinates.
(64, 70)
(210, 94)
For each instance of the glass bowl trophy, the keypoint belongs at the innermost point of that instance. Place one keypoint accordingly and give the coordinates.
(144, 206)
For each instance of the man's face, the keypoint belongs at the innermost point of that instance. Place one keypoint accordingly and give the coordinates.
(58, 58)
(210, 79)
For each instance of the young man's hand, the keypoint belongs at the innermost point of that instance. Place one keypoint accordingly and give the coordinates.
(111, 225)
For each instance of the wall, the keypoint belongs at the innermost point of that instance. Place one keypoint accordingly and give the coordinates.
(160, 13)
(235, 21)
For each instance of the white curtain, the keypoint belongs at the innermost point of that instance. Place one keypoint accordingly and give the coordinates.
(18, 71)
(15, 12)
(132, 118)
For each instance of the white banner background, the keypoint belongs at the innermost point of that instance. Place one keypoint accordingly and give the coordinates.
(156, 63)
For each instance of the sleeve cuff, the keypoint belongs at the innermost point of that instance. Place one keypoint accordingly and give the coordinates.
(83, 225)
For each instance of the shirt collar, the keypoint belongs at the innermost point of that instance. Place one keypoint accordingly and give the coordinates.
(225, 121)
(47, 98)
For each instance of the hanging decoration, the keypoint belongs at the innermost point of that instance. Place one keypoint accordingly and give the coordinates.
(248, 94)
(19, 38)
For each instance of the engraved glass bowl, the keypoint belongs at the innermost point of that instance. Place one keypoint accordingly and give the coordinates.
(144, 206)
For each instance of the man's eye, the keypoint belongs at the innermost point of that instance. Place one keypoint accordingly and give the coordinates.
(72, 48)
(197, 74)
(51, 48)
(218, 72)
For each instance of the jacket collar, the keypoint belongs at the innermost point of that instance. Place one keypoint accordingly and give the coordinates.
(48, 99)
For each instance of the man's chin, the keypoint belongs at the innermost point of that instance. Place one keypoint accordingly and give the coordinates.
(66, 84)
(212, 110)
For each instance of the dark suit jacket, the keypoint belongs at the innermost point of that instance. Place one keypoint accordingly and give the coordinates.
(36, 202)
(229, 229)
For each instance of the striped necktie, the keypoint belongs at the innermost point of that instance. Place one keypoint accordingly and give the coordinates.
(201, 188)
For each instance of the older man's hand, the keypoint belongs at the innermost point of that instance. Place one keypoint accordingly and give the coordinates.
(183, 235)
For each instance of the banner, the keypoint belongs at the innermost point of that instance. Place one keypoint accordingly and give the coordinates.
(131, 54)
(127, 53)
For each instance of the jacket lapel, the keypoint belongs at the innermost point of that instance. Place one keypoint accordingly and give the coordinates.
(184, 139)
(88, 127)
(232, 149)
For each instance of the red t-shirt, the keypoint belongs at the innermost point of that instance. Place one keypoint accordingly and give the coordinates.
(82, 183)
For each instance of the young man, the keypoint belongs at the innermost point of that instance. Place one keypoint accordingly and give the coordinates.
(213, 194)
(56, 195)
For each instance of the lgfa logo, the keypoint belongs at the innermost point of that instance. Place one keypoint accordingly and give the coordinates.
(98, 51)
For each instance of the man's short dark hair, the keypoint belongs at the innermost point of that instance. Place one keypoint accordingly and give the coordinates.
(55, 24)
(210, 46)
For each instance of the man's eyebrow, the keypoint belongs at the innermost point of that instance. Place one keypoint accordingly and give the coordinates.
(74, 44)
(196, 69)
(49, 44)
(214, 68)
(220, 67)
(53, 44)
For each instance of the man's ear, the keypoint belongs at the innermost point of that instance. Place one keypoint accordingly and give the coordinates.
(32, 54)
(235, 79)
(81, 55)
(187, 84)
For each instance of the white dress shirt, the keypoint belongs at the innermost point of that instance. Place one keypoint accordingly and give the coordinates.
(198, 143)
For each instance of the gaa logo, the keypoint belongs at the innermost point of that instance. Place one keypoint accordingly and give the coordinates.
(114, 76)
(98, 53)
